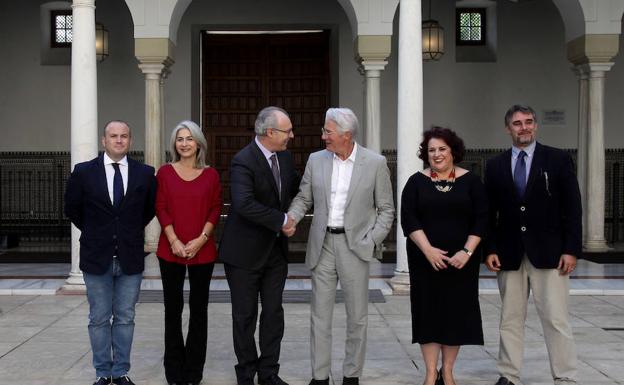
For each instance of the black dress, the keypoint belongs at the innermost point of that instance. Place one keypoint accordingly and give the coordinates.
(445, 303)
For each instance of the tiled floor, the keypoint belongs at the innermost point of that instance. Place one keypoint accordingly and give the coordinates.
(44, 340)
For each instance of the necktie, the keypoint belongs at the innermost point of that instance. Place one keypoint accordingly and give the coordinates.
(520, 174)
(118, 189)
(275, 171)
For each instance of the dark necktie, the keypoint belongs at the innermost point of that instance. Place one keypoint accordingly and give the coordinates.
(520, 174)
(275, 171)
(118, 189)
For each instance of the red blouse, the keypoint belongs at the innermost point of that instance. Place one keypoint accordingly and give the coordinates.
(187, 205)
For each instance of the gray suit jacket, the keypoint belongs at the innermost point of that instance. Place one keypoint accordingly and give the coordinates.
(369, 211)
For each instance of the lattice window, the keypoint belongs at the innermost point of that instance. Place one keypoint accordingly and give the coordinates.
(470, 26)
(61, 23)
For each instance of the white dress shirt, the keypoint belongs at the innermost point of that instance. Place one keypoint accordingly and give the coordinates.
(340, 181)
(110, 173)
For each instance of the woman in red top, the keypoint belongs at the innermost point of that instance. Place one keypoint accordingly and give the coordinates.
(188, 206)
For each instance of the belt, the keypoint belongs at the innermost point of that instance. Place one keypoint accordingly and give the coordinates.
(335, 230)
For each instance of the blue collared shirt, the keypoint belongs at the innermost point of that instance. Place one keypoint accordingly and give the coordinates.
(530, 151)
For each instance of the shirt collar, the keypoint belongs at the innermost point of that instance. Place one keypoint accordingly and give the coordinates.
(267, 154)
(530, 149)
(108, 160)
(351, 157)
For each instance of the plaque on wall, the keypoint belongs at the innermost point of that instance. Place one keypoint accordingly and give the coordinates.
(553, 117)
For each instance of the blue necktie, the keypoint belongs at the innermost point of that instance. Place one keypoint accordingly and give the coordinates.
(520, 175)
(118, 189)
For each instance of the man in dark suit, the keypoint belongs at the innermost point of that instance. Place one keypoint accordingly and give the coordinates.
(110, 199)
(533, 244)
(254, 245)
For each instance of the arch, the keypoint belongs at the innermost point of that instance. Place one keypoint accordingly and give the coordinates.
(347, 5)
(573, 18)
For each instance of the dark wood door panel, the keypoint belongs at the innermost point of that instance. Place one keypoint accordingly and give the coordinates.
(244, 73)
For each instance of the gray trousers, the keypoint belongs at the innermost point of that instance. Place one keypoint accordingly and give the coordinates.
(550, 294)
(337, 262)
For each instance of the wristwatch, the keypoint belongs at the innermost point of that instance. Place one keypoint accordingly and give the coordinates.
(467, 252)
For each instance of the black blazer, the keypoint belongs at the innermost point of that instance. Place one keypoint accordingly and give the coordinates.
(546, 223)
(256, 216)
(107, 231)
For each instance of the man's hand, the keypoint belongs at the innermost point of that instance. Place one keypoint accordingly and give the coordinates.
(567, 263)
(290, 227)
(492, 263)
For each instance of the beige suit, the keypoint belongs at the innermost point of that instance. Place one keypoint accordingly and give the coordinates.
(368, 217)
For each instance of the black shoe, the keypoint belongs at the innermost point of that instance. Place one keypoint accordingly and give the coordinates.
(123, 380)
(102, 381)
(319, 382)
(439, 379)
(350, 381)
(273, 379)
(504, 381)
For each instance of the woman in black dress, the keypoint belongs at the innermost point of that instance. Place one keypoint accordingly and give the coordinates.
(444, 217)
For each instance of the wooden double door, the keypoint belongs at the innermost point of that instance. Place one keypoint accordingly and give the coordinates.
(241, 74)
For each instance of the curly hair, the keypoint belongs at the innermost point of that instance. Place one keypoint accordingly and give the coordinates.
(449, 137)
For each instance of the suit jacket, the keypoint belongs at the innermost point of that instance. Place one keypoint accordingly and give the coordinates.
(546, 223)
(369, 210)
(254, 223)
(106, 230)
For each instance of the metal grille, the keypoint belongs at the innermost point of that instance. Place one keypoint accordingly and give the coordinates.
(32, 185)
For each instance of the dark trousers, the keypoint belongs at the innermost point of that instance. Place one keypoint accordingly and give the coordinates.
(185, 363)
(245, 286)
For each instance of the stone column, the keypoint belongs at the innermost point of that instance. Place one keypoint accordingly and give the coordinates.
(410, 120)
(592, 55)
(84, 130)
(595, 236)
(155, 58)
(373, 51)
(581, 152)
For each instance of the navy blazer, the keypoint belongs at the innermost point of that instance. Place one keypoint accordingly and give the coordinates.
(255, 219)
(106, 230)
(546, 223)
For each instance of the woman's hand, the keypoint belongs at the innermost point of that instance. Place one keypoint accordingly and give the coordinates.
(177, 248)
(192, 247)
(437, 258)
(459, 260)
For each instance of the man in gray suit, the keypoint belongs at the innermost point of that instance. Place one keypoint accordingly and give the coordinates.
(349, 187)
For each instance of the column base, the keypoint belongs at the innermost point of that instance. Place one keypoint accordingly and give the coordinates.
(596, 246)
(152, 267)
(400, 283)
(73, 285)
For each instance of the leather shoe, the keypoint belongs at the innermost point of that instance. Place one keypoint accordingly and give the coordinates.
(273, 379)
(103, 381)
(350, 381)
(439, 379)
(319, 382)
(504, 381)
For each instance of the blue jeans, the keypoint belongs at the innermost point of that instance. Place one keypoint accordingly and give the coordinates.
(112, 295)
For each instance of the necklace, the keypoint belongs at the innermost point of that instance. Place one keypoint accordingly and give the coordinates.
(443, 186)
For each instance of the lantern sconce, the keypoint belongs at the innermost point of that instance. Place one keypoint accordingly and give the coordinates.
(432, 39)
(101, 42)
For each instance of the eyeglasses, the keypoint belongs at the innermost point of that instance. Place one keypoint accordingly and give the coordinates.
(325, 131)
(287, 132)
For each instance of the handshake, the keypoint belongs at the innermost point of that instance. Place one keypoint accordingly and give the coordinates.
(290, 227)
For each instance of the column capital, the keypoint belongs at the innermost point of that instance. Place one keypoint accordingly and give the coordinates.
(153, 70)
(373, 48)
(83, 3)
(154, 51)
(597, 48)
(594, 70)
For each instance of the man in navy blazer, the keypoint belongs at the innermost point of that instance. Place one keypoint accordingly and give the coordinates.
(254, 247)
(533, 245)
(111, 199)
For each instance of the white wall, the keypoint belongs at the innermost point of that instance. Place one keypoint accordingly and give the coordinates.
(469, 97)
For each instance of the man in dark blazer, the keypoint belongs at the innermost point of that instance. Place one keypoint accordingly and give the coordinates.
(110, 199)
(254, 245)
(534, 242)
